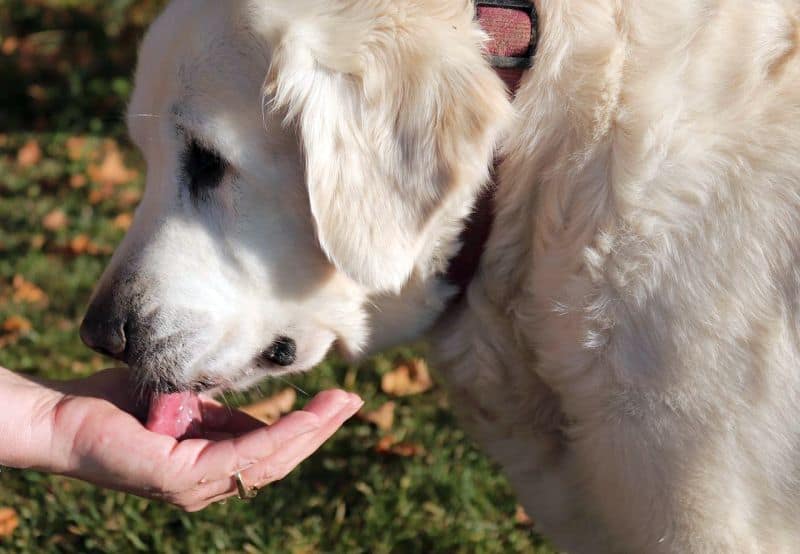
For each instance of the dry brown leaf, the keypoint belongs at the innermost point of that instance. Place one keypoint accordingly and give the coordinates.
(407, 449)
(55, 220)
(16, 324)
(123, 221)
(78, 530)
(27, 292)
(76, 148)
(78, 368)
(112, 171)
(98, 195)
(388, 445)
(30, 154)
(383, 417)
(37, 241)
(408, 378)
(271, 409)
(80, 244)
(130, 197)
(521, 518)
(9, 46)
(9, 521)
(12, 329)
(37, 92)
(385, 444)
(78, 181)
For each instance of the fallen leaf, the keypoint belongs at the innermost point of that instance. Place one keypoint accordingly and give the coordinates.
(78, 530)
(55, 220)
(123, 221)
(78, 181)
(9, 521)
(13, 328)
(112, 171)
(37, 241)
(521, 518)
(76, 148)
(80, 244)
(388, 445)
(407, 449)
(408, 378)
(30, 154)
(383, 417)
(78, 368)
(98, 195)
(271, 409)
(115, 523)
(16, 324)
(37, 92)
(129, 198)
(9, 46)
(385, 444)
(27, 292)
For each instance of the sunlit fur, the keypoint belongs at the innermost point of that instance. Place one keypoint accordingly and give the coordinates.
(629, 350)
(351, 171)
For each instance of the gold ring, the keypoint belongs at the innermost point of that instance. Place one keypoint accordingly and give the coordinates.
(245, 493)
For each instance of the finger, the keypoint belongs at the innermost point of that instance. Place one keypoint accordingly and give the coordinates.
(296, 450)
(214, 461)
(218, 417)
(280, 464)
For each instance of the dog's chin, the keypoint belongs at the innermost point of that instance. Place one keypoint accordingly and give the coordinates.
(155, 380)
(252, 375)
(211, 385)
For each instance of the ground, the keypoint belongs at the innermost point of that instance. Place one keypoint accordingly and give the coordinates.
(69, 182)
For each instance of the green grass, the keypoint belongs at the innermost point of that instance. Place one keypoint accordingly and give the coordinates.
(68, 77)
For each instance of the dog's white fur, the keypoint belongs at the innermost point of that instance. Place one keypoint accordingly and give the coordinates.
(629, 350)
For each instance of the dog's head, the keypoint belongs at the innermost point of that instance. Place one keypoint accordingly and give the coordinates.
(308, 160)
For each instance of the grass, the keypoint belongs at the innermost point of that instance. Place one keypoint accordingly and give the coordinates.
(69, 182)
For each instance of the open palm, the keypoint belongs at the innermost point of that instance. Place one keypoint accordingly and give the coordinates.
(96, 433)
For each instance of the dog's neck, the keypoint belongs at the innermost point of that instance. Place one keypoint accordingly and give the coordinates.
(512, 29)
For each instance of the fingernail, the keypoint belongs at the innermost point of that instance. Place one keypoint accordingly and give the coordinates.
(354, 403)
(356, 400)
(343, 400)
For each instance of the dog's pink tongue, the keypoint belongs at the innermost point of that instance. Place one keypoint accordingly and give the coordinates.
(178, 415)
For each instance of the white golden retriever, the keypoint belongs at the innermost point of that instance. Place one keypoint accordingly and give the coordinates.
(629, 349)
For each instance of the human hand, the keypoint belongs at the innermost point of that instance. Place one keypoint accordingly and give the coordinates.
(93, 435)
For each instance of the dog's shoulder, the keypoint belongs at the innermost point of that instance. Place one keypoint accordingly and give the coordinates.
(645, 247)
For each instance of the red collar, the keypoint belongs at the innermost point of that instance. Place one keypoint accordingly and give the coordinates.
(513, 32)
(512, 26)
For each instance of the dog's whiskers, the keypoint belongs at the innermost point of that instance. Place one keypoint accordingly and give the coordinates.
(298, 389)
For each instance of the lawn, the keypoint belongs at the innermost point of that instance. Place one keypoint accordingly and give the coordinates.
(69, 182)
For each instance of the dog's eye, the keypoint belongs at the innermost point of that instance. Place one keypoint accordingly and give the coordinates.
(205, 168)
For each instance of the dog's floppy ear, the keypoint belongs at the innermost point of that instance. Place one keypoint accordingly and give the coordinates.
(398, 113)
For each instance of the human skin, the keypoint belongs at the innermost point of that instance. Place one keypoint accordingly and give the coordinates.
(88, 429)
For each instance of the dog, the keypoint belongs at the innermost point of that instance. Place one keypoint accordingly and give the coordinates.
(628, 348)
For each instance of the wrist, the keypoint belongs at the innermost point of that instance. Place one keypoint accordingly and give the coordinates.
(27, 423)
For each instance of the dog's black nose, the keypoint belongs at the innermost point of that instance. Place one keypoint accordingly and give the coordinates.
(282, 352)
(103, 330)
